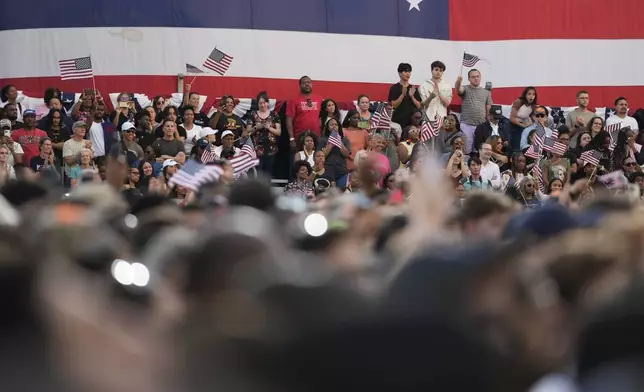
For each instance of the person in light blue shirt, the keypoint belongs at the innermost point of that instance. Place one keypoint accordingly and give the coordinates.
(539, 118)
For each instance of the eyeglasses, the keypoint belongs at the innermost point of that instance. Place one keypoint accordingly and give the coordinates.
(540, 115)
(529, 185)
(629, 164)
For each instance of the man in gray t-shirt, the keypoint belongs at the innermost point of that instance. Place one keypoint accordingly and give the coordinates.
(476, 103)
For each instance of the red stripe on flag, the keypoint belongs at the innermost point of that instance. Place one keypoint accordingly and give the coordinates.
(281, 89)
(492, 20)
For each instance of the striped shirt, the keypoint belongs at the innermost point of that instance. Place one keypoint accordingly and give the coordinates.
(474, 103)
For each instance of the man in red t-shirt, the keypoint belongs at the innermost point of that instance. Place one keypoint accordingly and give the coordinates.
(29, 137)
(303, 113)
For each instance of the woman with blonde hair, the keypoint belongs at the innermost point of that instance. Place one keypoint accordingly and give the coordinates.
(6, 171)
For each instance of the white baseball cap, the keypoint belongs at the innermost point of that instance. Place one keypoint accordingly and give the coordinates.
(208, 131)
(169, 162)
(127, 126)
(226, 133)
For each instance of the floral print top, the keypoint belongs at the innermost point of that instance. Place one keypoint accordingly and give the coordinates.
(265, 142)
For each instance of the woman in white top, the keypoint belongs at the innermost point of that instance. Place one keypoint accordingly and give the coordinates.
(193, 131)
(520, 116)
(6, 171)
(306, 148)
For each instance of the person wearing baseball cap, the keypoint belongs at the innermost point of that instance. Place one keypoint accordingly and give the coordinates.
(73, 147)
(227, 149)
(496, 125)
(28, 137)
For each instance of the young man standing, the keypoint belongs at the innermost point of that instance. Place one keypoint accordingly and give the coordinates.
(436, 93)
(404, 97)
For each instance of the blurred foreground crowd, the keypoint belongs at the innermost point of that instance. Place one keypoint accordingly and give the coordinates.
(246, 289)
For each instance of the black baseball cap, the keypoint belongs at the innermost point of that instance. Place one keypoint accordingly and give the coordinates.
(496, 111)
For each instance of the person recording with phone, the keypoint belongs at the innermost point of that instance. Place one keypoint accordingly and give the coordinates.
(226, 120)
(125, 110)
(15, 148)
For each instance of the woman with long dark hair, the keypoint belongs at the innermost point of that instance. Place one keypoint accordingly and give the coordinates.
(522, 109)
(329, 110)
(9, 94)
(601, 142)
(625, 147)
(336, 157)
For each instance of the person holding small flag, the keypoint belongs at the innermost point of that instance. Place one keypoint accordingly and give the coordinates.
(539, 120)
(336, 149)
(625, 147)
(556, 166)
(602, 144)
(227, 150)
(511, 178)
(475, 106)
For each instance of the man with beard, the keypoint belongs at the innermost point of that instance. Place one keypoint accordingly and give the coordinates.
(303, 113)
(29, 137)
(12, 114)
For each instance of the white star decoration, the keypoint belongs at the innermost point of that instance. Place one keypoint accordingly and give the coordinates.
(414, 4)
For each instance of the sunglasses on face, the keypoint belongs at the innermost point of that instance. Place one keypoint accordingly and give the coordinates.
(529, 185)
(539, 115)
(629, 164)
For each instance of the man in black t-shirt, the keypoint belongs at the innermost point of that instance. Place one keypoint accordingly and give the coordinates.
(404, 97)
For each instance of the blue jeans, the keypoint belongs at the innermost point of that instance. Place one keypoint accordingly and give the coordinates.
(266, 164)
(515, 138)
(342, 181)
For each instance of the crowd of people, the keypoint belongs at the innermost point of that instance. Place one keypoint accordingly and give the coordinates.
(496, 254)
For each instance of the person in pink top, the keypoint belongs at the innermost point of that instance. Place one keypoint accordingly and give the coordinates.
(379, 160)
(303, 113)
(29, 137)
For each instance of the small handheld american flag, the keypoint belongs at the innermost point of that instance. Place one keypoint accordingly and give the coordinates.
(613, 130)
(430, 129)
(381, 118)
(334, 139)
(534, 151)
(209, 154)
(537, 173)
(218, 61)
(555, 147)
(591, 156)
(194, 174)
(79, 68)
(191, 69)
(470, 60)
(246, 159)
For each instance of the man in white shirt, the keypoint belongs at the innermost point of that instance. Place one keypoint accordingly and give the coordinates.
(621, 115)
(436, 93)
(96, 134)
(489, 170)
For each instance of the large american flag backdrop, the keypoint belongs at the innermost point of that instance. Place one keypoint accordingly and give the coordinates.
(348, 47)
